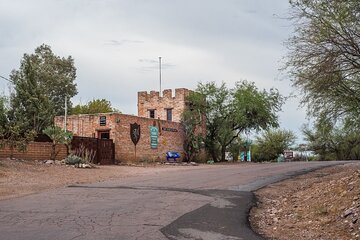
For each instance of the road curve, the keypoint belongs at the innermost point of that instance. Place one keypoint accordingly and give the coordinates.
(204, 202)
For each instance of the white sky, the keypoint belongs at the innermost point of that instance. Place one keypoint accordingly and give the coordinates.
(116, 44)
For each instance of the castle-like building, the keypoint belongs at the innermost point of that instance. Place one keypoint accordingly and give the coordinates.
(162, 112)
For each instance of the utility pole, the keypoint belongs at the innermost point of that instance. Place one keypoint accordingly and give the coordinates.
(65, 117)
(160, 74)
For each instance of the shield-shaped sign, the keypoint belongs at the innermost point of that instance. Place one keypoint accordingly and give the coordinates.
(135, 133)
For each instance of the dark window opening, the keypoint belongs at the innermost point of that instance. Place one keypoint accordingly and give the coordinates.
(102, 120)
(152, 113)
(104, 135)
(169, 114)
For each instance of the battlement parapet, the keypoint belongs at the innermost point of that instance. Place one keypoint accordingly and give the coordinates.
(180, 94)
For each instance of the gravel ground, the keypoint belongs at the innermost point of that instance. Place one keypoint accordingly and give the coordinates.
(324, 204)
(19, 177)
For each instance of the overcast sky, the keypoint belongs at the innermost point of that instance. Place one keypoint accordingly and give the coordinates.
(116, 44)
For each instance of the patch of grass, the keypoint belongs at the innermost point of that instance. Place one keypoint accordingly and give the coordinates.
(322, 210)
(144, 160)
(2, 164)
(298, 216)
(2, 169)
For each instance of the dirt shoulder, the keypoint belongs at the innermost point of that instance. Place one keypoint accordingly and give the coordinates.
(19, 178)
(324, 204)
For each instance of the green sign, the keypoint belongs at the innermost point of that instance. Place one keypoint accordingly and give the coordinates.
(154, 133)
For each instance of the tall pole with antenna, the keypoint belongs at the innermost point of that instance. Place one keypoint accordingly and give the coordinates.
(160, 74)
(65, 117)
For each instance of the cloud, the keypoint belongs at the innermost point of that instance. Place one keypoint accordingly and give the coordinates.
(250, 11)
(151, 64)
(116, 44)
(121, 42)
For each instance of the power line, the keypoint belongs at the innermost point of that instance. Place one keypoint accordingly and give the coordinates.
(6, 79)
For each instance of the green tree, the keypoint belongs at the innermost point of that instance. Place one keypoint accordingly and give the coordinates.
(324, 57)
(236, 146)
(58, 136)
(229, 112)
(191, 121)
(28, 104)
(212, 102)
(41, 84)
(13, 134)
(94, 106)
(271, 143)
(332, 142)
(14, 137)
(256, 153)
(3, 112)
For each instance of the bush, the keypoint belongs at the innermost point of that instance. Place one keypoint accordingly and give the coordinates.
(313, 158)
(73, 159)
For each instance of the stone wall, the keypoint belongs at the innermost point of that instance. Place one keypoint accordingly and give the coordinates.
(170, 134)
(152, 101)
(35, 151)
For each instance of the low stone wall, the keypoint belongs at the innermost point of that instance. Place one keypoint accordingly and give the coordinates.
(35, 151)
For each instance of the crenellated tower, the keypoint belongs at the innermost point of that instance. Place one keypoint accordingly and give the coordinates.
(165, 107)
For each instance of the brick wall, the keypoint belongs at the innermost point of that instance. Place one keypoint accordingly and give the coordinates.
(152, 101)
(35, 151)
(88, 125)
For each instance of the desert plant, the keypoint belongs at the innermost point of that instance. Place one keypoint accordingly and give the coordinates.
(72, 159)
(58, 136)
(89, 156)
(322, 210)
(86, 155)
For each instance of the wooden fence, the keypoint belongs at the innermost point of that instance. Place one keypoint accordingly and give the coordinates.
(103, 149)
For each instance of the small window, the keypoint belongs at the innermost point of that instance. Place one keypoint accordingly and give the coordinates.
(152, 113)
(102, 120)
(169, 114)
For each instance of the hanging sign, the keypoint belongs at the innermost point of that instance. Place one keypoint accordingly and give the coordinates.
(169, 129)
(135, 133)
(154, 133)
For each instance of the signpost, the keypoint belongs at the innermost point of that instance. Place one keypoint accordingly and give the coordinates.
(154, 133)
(245, 154)
(288, 155)
(169, 129)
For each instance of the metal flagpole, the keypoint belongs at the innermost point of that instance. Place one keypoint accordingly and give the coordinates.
(160, 74)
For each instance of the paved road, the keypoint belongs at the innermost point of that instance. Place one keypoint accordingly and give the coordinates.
(206, 202)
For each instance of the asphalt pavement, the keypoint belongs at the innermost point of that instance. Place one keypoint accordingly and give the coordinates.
(205, 202)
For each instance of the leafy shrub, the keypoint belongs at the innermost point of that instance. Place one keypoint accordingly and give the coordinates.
(72, 159)
(313, 158)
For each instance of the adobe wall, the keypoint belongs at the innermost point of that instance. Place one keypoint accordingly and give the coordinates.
(119, 125)
(152, 100)
(35, 151)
